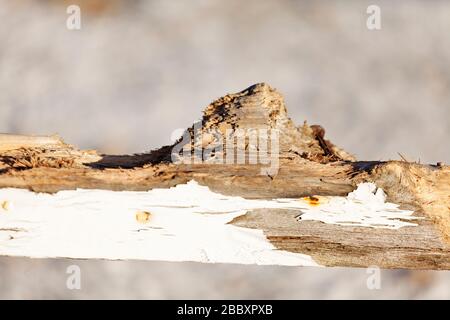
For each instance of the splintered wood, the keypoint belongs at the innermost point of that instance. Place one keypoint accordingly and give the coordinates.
(313, 204)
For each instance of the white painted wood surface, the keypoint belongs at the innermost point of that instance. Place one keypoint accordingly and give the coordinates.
(185, 223)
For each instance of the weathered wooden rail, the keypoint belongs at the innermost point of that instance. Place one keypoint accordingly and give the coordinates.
(58, 201)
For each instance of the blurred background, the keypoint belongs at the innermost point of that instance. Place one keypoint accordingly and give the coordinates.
(137, 70)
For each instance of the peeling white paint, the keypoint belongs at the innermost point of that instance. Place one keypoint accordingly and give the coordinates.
(365, 207)
(184, 223)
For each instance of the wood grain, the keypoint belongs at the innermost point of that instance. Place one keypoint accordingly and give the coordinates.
(309, 165)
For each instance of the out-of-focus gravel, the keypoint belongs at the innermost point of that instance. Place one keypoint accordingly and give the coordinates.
(45, 279)
(138, 70)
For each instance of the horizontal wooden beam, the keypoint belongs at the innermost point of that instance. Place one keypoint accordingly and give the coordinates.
(320, 206)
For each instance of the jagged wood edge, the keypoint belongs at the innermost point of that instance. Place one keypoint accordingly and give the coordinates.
(310, 166)
(422, 188)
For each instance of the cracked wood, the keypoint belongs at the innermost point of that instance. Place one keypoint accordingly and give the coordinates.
(309, 165)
